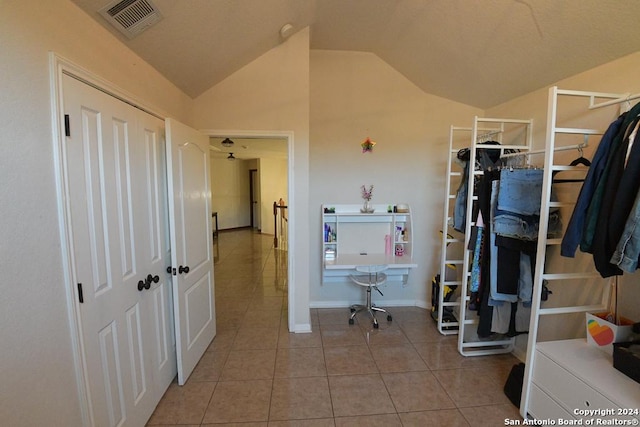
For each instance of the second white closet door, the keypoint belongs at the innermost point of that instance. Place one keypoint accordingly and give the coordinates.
(115, 177)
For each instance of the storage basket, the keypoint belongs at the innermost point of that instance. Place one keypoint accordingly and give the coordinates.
(626, 359)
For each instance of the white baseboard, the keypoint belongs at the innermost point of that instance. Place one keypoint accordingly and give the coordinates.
(302, 328)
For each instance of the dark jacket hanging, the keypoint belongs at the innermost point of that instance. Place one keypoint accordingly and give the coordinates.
(617, 199)
(596, 201)
(573, 234)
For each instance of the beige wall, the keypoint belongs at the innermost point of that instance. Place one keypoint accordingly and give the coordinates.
(36, 362)
(230, 192)
(272, 94)
(355, 95)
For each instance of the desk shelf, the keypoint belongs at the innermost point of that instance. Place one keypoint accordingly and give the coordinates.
(352, 238)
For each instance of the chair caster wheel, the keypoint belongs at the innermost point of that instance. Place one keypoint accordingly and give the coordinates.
(389, 318)
(351, 321)
(376, 326)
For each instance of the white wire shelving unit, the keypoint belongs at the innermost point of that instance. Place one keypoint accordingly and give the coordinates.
(469, 344)
(583, 271)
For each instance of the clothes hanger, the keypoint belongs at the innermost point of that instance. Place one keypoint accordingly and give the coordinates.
(628, 104)
(576, 162)
(581, 160)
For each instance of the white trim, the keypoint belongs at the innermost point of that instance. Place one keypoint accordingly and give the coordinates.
(59, 66)
(293, 326)
(303, 328)
(64, 66)
(263, 134)
(423, 304)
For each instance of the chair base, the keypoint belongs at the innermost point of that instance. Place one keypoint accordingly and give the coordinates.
(370, 308)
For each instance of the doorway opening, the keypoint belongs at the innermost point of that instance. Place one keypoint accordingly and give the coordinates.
(253, 198)
(261, 172)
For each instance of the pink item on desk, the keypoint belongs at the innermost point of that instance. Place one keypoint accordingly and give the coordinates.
(399, 250)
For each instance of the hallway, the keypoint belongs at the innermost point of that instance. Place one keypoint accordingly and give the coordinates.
(257, 374)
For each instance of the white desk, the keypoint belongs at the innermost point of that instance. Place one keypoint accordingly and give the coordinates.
(338, 270)
(347, 261)
(356, 239)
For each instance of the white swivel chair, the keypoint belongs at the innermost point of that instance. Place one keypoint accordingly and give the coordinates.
(372, 276)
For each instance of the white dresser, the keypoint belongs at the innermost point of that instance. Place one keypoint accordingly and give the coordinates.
(571, 378)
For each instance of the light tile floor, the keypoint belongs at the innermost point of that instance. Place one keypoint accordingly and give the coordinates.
(257, 374)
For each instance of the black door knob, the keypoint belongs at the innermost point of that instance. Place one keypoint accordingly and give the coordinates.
(141, 285)
(169, 269)
(184, 269)
(154, 279)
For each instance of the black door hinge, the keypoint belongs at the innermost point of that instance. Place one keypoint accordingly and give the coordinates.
(80, 296)
(67, 125)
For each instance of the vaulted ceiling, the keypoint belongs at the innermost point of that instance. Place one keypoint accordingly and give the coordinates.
(477, 52)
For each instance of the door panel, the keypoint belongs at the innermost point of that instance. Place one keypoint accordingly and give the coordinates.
(163, 319)
(193, 161)
(112, 377)
(124, 196)
(98, 239)
(191, 243)
(159, 305)
(198, 300)
(113, 248)
(155, 191)
(136, 353)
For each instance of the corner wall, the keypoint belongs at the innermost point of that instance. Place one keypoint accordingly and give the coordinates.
(272, 94)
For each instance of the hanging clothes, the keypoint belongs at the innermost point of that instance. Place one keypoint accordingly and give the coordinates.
(485, 311)
(620, 192)
(511, 281)
(605, 216)
(478, 249)
(516, 264)
(506, 269)
(595, 204)
(573, 233)
(627, 252)
(486, 158)
(518, 205)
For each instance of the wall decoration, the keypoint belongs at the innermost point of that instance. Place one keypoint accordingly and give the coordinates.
(367, 145)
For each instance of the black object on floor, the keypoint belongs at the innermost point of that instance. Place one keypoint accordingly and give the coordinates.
(513, 386)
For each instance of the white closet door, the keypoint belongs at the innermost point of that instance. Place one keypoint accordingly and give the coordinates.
(191, 243)
(114, 182)
(154, 229)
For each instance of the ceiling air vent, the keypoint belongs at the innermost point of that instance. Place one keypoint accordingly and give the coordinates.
(131, 17)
